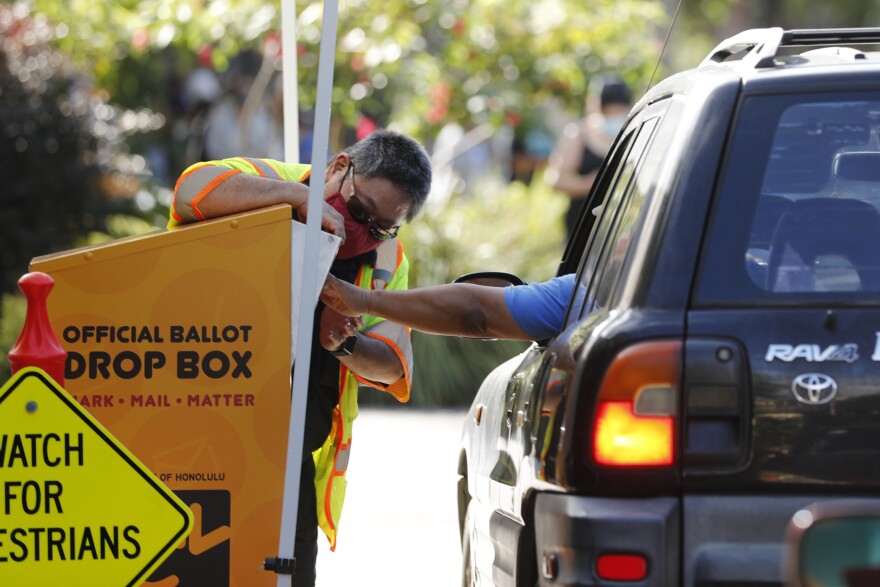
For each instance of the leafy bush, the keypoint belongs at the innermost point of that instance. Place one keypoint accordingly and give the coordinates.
(67, 175)
(64, 164)
(12, 308)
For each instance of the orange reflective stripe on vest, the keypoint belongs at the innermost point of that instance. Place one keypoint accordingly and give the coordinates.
(200, 182)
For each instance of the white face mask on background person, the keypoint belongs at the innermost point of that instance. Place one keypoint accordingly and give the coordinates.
(611, 125)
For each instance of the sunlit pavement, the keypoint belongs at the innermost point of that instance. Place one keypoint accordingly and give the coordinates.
(400, 524)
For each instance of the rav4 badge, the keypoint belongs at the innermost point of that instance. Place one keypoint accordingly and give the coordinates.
(813, 353)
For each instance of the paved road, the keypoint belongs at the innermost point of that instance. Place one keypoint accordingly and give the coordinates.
(400, 524)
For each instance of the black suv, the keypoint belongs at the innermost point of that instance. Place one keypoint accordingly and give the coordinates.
(720, 364)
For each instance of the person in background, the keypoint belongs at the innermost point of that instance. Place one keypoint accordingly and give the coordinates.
(370, 189)
(577, 155)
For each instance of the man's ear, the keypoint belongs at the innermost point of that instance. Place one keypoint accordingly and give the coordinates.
(339, 164)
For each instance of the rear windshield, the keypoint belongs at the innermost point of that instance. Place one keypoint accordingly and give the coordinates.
(797, 216)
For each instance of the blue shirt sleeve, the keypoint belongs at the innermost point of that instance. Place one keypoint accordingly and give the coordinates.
(539, 308)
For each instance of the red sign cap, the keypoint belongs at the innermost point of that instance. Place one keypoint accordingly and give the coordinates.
(37, 345)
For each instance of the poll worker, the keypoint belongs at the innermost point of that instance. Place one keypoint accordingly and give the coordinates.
(370, 189)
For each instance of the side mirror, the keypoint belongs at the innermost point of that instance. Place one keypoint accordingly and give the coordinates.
(835, 544)
(491, 278)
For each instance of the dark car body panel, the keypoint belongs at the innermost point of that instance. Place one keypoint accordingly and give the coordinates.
(793, 445)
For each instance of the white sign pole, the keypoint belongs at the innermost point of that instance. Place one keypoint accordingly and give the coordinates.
(289, 78)
(307, 281)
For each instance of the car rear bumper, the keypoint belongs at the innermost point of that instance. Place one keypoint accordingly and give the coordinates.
(726, 539)
(572, 531)
(739, 539)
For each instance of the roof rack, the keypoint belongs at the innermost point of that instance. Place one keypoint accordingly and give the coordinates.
(763, 44)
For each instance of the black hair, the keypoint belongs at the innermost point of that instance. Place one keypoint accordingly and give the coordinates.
(610, 89)
(397, 158)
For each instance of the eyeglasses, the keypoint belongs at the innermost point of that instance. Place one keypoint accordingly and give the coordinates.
(360, 214)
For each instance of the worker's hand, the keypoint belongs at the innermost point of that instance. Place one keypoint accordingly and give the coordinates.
(335, 328)
(331, 220)
(345, 298)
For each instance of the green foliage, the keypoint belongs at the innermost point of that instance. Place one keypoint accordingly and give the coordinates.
(409, 63)
(705, 23)
(477, 61)
(12, 310)
(64, 165)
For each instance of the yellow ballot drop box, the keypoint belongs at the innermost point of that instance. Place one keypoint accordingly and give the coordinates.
(179, 343)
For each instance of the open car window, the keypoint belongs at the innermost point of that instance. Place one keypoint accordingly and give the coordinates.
(615, 230)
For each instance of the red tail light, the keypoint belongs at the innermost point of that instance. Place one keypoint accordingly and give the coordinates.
(635, 416)
(622, 567)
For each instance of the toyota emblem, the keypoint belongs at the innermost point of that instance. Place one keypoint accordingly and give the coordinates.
(814, 389)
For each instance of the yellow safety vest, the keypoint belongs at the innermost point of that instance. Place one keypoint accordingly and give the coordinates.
(331, 460)
(199, 179)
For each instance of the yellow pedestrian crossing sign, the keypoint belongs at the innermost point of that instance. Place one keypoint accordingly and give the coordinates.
(76, 507)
